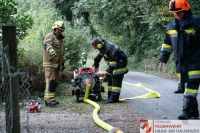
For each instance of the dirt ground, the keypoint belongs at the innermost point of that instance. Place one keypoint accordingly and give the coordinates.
(72, 117)
(69, 120)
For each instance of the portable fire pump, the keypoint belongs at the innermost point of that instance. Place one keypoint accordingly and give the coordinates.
(83, 76)
(87, 75)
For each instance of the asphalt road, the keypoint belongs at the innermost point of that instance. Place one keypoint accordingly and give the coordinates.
(168, 106)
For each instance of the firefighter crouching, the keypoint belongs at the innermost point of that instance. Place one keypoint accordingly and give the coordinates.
(117, 66)
(183, 37)
(53, 61)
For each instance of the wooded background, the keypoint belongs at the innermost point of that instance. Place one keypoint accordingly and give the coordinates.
(137, 26)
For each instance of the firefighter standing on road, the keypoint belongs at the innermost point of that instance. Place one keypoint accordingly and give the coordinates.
(183, 37)
(117, 66)
(53, 61)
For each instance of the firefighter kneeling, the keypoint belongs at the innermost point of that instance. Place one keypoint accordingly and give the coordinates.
(117, 66)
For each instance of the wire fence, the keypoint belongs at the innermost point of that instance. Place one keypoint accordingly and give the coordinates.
(6, 91)
(2, 91)
(8, 77)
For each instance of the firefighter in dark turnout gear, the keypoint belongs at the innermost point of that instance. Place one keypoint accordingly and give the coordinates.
(183, 37)
(117, 66)
(53, 61)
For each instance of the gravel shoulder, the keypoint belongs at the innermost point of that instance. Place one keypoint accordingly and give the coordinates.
(72, 117)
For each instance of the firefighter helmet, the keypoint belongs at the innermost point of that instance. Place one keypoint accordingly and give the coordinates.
(178, 5)
(59, 25)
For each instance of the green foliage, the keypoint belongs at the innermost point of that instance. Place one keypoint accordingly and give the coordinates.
(44, 14)
(7, 9)
(9, 14)
(65, 7)
(117, 21)
(124, 23)
(138, 26)
(77, 42)
(195, 6)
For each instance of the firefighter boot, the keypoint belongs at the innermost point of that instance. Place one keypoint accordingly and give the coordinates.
(190, 108)
(51, 102)
(114, 97)
(181, 88)
(195, 111)
(109, 94)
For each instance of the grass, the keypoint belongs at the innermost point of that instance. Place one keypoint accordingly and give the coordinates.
(150, 66)
(67, 101)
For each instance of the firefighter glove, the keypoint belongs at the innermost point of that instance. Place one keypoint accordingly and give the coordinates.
(51, 51)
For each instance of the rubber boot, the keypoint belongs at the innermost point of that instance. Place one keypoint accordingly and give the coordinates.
(51, 102)
(190, 108)
(181, 88)
(109, 94)
(195, 111)
(114, 98)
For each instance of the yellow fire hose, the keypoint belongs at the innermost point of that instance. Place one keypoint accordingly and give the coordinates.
(150, 94)
(102, 124)
(96, 118)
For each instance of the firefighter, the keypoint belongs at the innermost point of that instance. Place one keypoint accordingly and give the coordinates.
(117, 66)
(183, 37)
(53, 61)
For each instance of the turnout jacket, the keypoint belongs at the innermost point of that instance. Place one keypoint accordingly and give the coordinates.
(183, 37)
(114, 56)
(55, 46)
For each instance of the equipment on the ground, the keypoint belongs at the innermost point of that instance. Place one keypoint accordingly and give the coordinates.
(33, 105)
(84, 76)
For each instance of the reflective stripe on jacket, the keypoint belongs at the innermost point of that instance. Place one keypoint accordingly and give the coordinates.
(183, 37)
(51, 42)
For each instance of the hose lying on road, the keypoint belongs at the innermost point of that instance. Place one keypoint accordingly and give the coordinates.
(102, 124)
(150, 94)
(95, 116)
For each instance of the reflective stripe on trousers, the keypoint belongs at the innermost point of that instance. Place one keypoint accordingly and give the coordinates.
(191, 89)
(117, 83)
(50, 74)
(47, 94)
